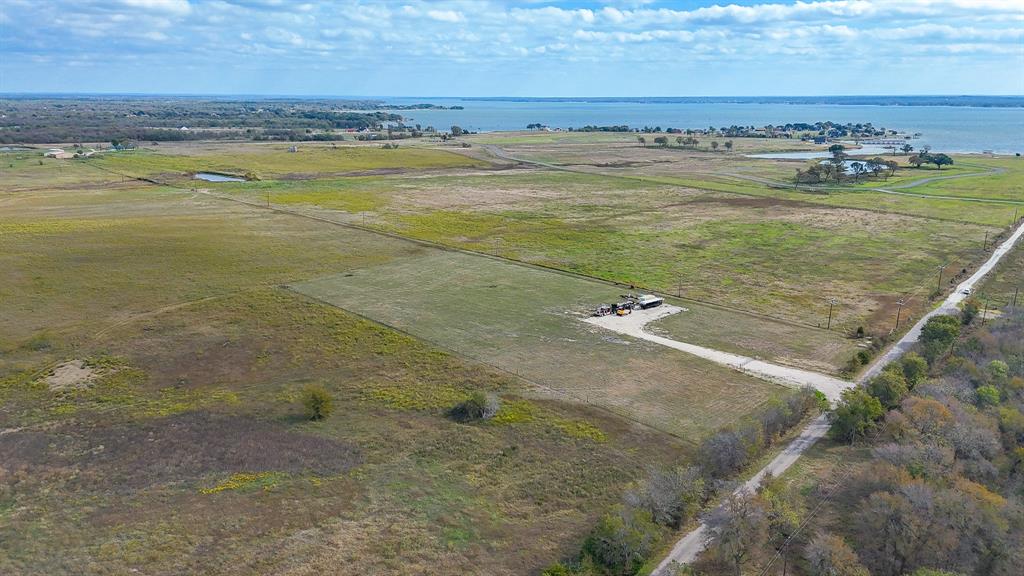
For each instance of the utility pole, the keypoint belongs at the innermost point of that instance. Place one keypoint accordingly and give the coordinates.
(679, 287)
(831, 302)
(984, 246)
(899, 304)
(941, 268)
(1015, 291)
(984, 309)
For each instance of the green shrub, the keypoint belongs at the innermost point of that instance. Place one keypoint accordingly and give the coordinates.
(938, 335)
(969, 311)
(915, 368)
(855, 416)
(987, 396)
(479, 406)
(623, 540)
(889, 387)
(998, 370)
(317, 401)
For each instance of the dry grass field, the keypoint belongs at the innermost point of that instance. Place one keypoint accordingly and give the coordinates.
(152, 366)
(156, 340)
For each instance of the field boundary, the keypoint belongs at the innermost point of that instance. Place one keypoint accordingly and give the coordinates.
(516, 375)
(450, 248)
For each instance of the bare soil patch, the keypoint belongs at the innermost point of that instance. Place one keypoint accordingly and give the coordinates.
(184, 447)
(72, 375)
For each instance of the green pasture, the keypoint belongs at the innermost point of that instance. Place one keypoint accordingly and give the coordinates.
(528, 322)
(269, 161)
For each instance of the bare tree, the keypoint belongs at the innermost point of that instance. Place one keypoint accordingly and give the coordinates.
(830, 555)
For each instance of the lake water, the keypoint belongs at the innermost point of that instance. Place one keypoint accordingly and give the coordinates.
(213, 177)
(866, 150)
(847, 165)
(944, 128)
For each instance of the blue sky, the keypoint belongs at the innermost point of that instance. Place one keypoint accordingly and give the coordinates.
(526, 48)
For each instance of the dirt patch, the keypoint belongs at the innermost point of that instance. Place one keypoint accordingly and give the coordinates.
(756, 202)
(180, 448)
(73, 375)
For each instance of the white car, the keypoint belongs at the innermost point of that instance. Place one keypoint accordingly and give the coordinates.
(966, 291)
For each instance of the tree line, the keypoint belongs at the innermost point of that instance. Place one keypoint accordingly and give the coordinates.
(941, 492)
(664, 499)
(682, 142)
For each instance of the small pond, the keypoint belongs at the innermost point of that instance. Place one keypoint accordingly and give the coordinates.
(862, 151)
(214, 177)
(848, 165)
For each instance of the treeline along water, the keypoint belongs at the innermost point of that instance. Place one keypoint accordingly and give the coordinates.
(990, 123)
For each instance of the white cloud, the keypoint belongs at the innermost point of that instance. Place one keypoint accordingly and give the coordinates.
(426, 35)
(178, 7)
(444, 15)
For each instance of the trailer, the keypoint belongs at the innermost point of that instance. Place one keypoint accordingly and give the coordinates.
(646, 301)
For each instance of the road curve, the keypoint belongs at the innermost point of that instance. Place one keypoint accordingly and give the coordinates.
(634, 325)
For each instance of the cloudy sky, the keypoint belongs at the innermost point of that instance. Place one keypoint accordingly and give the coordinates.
(505, 48)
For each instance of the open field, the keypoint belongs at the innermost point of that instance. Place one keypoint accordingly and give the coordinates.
(275, 160)
(1005, 282)
(188, 453)
(182, 447)
(1008, 184)
(197, 322)
(528, 322)
(781, 252)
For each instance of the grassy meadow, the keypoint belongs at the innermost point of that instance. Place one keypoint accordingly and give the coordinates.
(184, 448)
(190, 325)
(528, 322)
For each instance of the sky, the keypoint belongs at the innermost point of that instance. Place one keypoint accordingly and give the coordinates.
(504, 48)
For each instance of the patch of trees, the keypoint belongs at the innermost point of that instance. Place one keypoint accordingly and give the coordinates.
(589, 128)
(926, 157)
(422, 106)
(667, 498)
(943, 490)
(85, 119)
(839, 168)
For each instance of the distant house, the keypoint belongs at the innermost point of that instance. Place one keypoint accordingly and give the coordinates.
(819, 139)
(58, 153)
(293, 148)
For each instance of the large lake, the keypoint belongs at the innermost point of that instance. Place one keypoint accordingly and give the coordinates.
(945, 128)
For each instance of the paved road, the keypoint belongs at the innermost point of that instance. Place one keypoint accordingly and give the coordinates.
(689, 546)
(633, 325)
(949, 305)
(989, 172)
(693, 543)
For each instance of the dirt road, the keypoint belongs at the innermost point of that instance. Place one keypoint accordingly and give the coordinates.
(634, 325)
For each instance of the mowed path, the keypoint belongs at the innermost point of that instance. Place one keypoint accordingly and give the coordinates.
(694, 542)
(634, 324)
